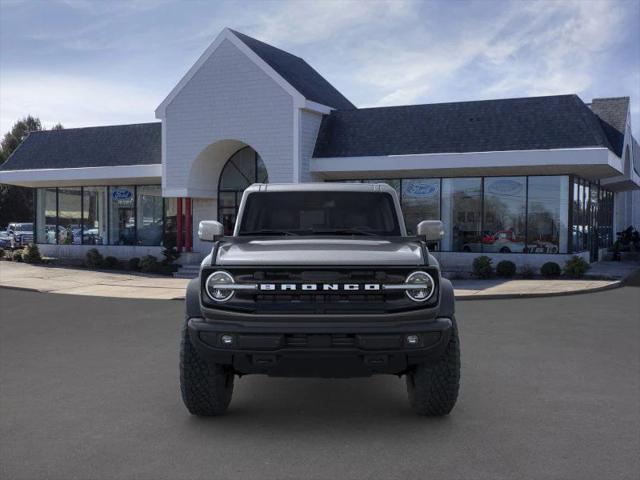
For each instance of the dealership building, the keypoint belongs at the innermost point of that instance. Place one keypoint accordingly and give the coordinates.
(525, 179)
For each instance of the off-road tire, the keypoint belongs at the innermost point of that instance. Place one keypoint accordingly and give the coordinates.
(433, 386)
(206, 388)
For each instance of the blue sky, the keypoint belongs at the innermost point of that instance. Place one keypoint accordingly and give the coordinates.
(83, 63)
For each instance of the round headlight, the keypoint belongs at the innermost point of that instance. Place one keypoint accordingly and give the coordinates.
(425, 286)
(215, 286)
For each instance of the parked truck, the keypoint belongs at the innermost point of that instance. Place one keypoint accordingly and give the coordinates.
(320, 280)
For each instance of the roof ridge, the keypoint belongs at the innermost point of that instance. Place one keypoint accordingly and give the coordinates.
(97, 126)
(237, 33)
(466, 102)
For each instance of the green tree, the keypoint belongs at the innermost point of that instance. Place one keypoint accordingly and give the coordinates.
(16, 203)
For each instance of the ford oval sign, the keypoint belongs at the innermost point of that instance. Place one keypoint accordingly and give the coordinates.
(505, 187)
(418, 189)
(121, 194)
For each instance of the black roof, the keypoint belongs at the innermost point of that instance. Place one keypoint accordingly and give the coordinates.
(612, 113)
(298, 73)
(115, 145)
(532, 123)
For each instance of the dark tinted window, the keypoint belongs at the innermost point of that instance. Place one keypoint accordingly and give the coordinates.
(326, 213)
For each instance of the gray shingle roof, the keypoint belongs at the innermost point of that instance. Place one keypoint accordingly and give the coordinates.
(115, 145)
(612, 113)
(532, 123)
(298, 73)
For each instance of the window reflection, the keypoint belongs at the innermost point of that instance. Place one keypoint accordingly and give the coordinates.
(149, 215)
(46, 216)
(548, 199)
(504, 215)
(462, 214)
(420, 201)
(94, 215)
(122, 221)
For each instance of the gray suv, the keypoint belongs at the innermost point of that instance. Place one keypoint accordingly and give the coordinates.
(320, 280)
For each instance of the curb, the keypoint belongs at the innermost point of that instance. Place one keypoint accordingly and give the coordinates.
(508, 296)
(460, 298)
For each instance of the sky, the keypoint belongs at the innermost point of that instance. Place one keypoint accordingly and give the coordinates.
(85, 63)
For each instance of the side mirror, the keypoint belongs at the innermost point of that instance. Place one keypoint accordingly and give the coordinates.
(432, 230)
(210, 230)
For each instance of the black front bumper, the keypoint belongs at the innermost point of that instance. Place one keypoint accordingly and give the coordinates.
(320, 349)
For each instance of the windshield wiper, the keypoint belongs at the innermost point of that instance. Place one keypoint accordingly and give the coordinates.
(268, 231)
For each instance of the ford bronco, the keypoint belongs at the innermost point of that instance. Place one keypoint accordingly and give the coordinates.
(320, 280)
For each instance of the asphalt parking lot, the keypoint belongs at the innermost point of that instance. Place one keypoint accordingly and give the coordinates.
(89, 390)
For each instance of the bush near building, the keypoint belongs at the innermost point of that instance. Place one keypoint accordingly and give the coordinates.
(576, 267)
(550, 270)
(482, 267)
(110, 263)
(506, 269)
(149, 264)
(134, 264)
(93, 259)
(31, 254)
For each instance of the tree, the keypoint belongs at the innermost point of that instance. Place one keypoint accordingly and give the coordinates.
(16, 203)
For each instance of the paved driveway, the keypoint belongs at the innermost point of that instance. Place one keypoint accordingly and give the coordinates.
(89, 389)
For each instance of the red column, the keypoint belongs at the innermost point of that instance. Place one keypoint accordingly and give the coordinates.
(189, 227)
(179, 224)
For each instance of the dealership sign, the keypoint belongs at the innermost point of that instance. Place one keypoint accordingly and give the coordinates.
(505, 187)
(425, 190)
(122, 196)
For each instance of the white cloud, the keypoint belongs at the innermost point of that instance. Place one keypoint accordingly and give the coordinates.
(72, 100)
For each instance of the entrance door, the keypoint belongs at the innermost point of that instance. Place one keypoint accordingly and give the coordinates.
(243, 168)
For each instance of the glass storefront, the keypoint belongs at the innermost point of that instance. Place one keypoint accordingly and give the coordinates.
(46, 215)
(70, 216)
(120, 215)
(505, 215)
(94, 213)
(149, 215)
(462, 214)
(519, 214)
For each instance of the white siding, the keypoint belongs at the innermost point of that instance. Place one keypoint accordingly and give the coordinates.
(229, 97)
(309, 126)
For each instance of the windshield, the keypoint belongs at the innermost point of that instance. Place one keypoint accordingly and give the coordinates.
(23, 227)
(319, 213)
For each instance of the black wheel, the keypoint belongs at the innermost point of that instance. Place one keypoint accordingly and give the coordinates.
(206, 388)
(433, 387)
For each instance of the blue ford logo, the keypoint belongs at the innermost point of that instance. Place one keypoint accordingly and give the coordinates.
(505, 187)
(423, 189)
(121, 194)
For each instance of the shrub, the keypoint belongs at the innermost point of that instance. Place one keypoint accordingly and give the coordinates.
(166, 269)
(550, 270)
(170, 252)
(482, 267)
(31, 254)
(110, 263)
(17, 256)
(506, 269)
(134, 263)
(93, 258)
(149, 264)
(576, 267)
(1, 252)
(527, 271)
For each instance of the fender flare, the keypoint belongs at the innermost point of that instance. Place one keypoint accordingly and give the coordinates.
(192, 299)
(447, 299)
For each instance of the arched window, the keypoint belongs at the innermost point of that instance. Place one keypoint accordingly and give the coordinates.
(243, 168)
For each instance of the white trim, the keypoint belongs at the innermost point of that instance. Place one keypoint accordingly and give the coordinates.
(227, 34)
(317, 107)
(296, 145)
(190, 193)
(163, 153)
(600, 157)
(83, 175)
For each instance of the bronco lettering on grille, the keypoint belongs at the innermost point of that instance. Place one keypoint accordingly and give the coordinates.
(325, 287)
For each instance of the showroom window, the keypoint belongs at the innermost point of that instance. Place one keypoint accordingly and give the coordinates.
(46, 215)
(505, 215)
(149, 215)
(420, 201)
(122, 217)
(462, 214)
(547, 219)
(70, 216)
(94, 215)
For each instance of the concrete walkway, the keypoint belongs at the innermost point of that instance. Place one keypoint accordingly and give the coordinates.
(76, 281)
